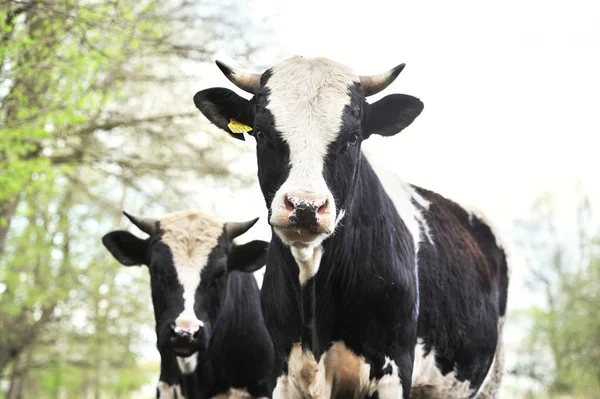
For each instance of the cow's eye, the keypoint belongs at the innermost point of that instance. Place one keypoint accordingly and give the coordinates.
(260, 135)
(353, 139)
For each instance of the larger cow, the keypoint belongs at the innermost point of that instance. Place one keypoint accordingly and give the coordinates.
(371, 289)
(209, 322)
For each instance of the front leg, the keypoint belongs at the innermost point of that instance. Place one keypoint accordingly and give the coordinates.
(170, 376)
(305, 378)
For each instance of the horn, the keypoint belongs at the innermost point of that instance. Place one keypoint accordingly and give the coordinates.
(235, 229)
(375, 83)
(249, 82)
(147, 225)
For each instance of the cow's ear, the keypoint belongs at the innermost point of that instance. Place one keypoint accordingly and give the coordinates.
(248, 257)
(128, 249)
(227, 110)
(391, 114)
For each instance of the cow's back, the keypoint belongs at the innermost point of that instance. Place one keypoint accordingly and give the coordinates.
(463, 282)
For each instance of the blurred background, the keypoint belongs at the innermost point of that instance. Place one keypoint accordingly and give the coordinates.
(96, 116)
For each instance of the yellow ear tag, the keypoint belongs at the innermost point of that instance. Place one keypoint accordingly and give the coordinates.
(238, 127)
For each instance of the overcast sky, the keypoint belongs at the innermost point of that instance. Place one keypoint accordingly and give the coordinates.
(511, 93)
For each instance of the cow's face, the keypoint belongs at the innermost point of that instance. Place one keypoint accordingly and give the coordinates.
(188, 254)
(309, 117)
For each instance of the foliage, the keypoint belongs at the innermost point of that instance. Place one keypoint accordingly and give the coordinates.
(563, 347)
(91, 119)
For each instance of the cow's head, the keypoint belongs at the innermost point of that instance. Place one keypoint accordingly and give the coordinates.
(188, 254)
(309, 117)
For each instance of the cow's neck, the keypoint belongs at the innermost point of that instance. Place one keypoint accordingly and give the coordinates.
(369, 210)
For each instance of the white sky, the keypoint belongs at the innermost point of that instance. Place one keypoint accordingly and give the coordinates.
(511, 93)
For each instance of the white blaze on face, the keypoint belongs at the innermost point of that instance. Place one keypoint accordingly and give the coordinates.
(191, 236)
(307, 99)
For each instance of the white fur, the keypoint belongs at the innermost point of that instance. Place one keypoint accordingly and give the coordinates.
(166, 391)
(308, 260)
(390, 386)
(302, 370)
(426, 375)
(234, 393)
(191, 236)
(307, 98)
(187, 365)
(340, 216)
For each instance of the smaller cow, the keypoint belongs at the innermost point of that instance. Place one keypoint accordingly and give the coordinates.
(206, 302)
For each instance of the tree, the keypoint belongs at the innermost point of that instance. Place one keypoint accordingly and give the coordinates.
(563, 348)
(95, 112)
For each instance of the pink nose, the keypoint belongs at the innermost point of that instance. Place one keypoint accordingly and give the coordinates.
(305, 212)
(189, 333)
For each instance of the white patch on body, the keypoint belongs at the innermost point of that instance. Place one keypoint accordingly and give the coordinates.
(347, 374)
(282, 388)
(389, 386)
(166, 391)
(428, 377)
(191, 236)
(308, 260)
(234, 393)
(307, 99)
(187, 365)
(302, 370)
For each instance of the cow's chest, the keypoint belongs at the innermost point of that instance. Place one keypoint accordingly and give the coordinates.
(364, 307)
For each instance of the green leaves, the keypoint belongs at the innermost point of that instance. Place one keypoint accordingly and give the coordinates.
(91, 117)
(566, 328)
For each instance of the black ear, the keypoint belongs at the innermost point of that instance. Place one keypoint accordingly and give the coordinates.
(391, 114)
(248, 257)
(226, 110)
(128, 249)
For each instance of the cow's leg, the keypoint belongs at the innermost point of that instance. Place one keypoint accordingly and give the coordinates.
(305, 378)
(164, 390)
(168, 383)
(385, 382)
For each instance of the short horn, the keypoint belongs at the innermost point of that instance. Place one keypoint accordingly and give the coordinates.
(249, 82)
(375, 83)
(147, 225)
(235, 229)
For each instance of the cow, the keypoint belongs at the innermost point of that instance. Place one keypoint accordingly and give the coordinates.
(373, 287)
(206, 302)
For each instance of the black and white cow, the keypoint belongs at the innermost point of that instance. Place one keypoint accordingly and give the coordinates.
(206, 302)
(411, 283)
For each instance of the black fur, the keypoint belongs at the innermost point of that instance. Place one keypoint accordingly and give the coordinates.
(384, 122)
(460, 320)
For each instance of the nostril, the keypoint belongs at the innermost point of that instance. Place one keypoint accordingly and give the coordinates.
(322, 208)
(288, 204)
